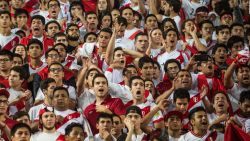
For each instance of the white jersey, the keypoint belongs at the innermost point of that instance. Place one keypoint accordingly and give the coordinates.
(34, 111)
(65, 9)
(212, 117)
(114, 75)
(191, 43)
(125, 43)
(130, 34)
(8, 42)
(41, 136)
(189, 136)
(37, 69)
(246, 126)
(71, 90)
(190, 7)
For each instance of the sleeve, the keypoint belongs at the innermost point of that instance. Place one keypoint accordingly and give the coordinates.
(119, 91)
(247, 126)
(109, 74)
(40, 95)
(158, 116)
(72, 92)
(119, 107)
(86, 50)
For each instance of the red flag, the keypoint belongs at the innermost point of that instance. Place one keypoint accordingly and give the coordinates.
(234, 133)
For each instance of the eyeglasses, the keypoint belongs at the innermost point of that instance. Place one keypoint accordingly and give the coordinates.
(53, 5)
(4, 60)
(55, 69)
(3, 101)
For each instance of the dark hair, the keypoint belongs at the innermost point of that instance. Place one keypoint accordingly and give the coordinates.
(60, 88)
(157, 64)
(140, 34)
(134, 78)
(18, 55)
(107, 30)
(205, 22)
(129, 9)
(236, 24)
(99, 75)
(181, 94)
(217, 46)
(90, 70)
(226, 13)
(143, 60)
(60, 44)
(20, 33)
(90, 13)
(136, 13)
(193, 111)
(184, 24)
(244, 95)
(55, 63)
(234, 39)
(104, 115)
(117, 49)
(217, 126)
(48, 51)
(240, 67)
(18, 126)
(45, 83)
(5, 12)
(70, 127)
(75, 3)
(59, 34)
(14, 50)
(20, 70)
(176, 5)
(115, 115)
(122, 21)
(50, 22)
(202, 9)
(150, 15)
(102, 16)
(7, 53)
(70, 25)
(222, 27)
(165, 33)
(171, 61)
(58, 3)
(126, 69)
(39, 17)
(88, 34)
(171, 21)
(35, 41)
(20, 11)
(20, 114)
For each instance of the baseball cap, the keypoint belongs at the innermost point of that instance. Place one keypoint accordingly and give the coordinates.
(133, 109)
(174, 113)
(5, 93)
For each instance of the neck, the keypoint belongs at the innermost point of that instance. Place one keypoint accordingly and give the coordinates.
(199, 132)
(188, 36)
(2, 117)
(5, 31)
(155, 45)
(17, 88)
(49, 131)
(219, 113)
(5, 73)
(59, 83)
(35, 62)
(169, 49)
(99, 100)
(137, 101)
(130, 26)
(73, 43)
(173, 14)
(48, 101)
(175, 134)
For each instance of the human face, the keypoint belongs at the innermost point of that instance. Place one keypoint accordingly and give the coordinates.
(174, 123)
(5, 21)
(220, 55)
(226, 20)
(3, 104)
(141, 43)
(75, 9)
(243, 76)
(104, 124)
(236, 48)
(103, 39)
(60, 99)
(106, 21)
(157, 72)
(184, 80)
(56, 72)
(35, 51)
(17, 61)
(77, 134)
(245, 4)
(53, 28)
(24, 119)
(92, 19)
(131, 71)
(117, 126)
(173, 69)
(62, 52)
(200, 121)
(22, 134)
(149, 86)
(50, 89)
(115, 14)
(156, 36)
(207, 67)
(220, 103)
(100, 87)
(136, 21)
(4, 6)
(147, 70)
(91, 39)
(102, 5)
(48, 120)
(119, 57)
(201, 16)
(54, 9)
(188, 27)
(62, 39)
(17, 4)
(171, 39)
(128, 15)
(245, 107)
(181, 104)
(37, 27)
(207, 30)
(167, 26)
(21, 50)
(151, 23)
(134, 118)
(14, 79)
(53, 57)
(21, 19)
(138, 89)
(73, 33)
(237, 31)
(223, 35)
(90, 77)
(5, 63)
(120, 30)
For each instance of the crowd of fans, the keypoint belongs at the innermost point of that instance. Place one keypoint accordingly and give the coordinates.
(125, 70)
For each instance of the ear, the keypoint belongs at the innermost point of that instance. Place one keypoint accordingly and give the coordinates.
(97, 126)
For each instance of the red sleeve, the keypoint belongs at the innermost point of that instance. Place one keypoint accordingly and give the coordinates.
(24, 41)
(129, 59)
(118, 107)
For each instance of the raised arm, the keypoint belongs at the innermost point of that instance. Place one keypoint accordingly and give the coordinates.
(110, 49)
(197, 42)
(228, 81)
(134, 54)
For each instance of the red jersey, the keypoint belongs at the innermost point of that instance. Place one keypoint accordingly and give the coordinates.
(44, 73)
(10, 123)
(91, 5)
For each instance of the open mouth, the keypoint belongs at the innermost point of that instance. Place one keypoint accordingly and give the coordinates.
(222, 57)
(210, 67)
(36, 28)
(122, 61)
(221, 105)
(204, 123)
(245, 78)
(101, 90)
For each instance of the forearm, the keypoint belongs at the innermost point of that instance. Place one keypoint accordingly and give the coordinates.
(198, 44)
(110, 49)
(142, 7)
(129, 136)
(228, 82)
(147, 118)
(134, 54)
(165, 95)
(80, 80)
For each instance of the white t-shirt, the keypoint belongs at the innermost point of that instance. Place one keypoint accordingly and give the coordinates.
(191, 137)
(125, 43)
(190, 7)
(41, 136)
(4, 40)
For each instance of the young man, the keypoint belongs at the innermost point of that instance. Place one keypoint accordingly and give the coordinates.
(103, 103)
(20, 131)
(223, 34)
(53, 12)
(150, 23)
(21, 18)
(141, 42)
(220, 54)
(22, 117)
(199, 122)
(74, 132)
(47, 121)
(117, 127)
(146, 64)
(7, 39)
(201, 14)
(235, 44)
(51, 28)
(173, 124)
(206, 30)
(6, 59)
(73, 35)
(237, 29)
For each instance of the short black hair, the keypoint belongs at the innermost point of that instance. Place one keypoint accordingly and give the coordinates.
(171, 61)
(126, 69)
(59, 44)
(205, 22)
(129, 9)
(202, 9)
(122, 21)
(134, 78)
(222, 27)
(194, 110)
(55, 63)
(176, 5)
(150, 15)
(51, 1)
(184, 24)
(88, 34)
(45, 83)
(240, 67)
(49, 50)
(145, 59)
(165, 33)
(70, 127)
(18, 126)
(20, 11)
(181, 94)
(107, 30)
(234, 39)
(50, 22)
(20, 114)
(140, 34)
(59, 34)
(90, 70)
(39, 17)
(104, 115)
(7, 53)
(70, 25)
(217, 46)
(5, 12)
(90, 13)
(20, 70)
(236, 24)
(169, 20)
(244, 95)
(61, 88)
(35, 41)
(18, 55)
(99, 75)
(117, 49)
(75, 3)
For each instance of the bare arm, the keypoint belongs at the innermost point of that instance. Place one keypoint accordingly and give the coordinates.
(142, 7)
(110, 49)
(197, 42)
(228, 81)
(134, 54)
(80, 80)
(153, 9)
